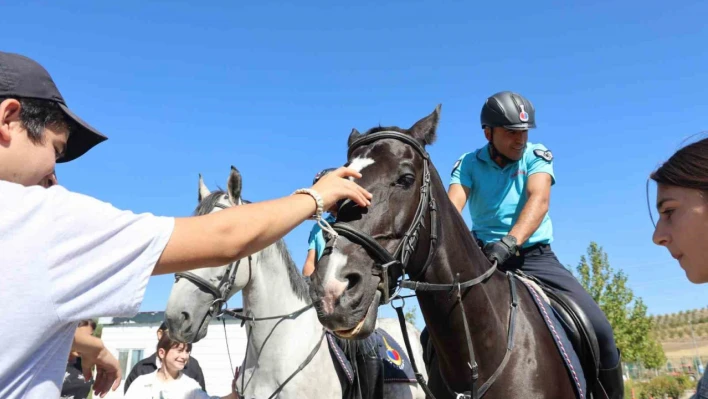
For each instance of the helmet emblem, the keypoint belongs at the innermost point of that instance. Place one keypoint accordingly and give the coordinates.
(523, 115)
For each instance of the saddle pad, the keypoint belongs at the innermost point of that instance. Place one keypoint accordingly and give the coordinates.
(340, 358)
(570, 358)
(397, 365)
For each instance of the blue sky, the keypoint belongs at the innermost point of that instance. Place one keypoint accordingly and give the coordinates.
(274, 88)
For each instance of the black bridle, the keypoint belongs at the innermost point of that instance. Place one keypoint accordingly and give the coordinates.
(389, 267)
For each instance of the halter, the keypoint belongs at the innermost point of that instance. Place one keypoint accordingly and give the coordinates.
(386, 263)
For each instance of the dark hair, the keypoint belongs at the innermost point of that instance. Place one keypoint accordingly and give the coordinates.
(167, 343)
(88, 322)
(687, 168)
(36, 115)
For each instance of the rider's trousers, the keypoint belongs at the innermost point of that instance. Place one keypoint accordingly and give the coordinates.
(539, 261)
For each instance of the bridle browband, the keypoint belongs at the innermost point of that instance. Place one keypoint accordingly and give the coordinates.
(386, 263)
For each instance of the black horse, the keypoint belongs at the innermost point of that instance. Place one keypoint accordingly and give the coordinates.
(489, 336)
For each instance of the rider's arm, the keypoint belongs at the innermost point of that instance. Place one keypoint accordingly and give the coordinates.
(460, 183)
(458, 195)
(309, 267)
(222, 237)
(538, 190)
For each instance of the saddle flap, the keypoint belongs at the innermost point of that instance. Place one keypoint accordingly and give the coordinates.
(579, 330)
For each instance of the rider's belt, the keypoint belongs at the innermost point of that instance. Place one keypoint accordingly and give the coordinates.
(543, 247)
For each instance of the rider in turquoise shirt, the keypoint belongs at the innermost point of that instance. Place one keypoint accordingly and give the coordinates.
(507, 186)
(317, 240)
(498, 193)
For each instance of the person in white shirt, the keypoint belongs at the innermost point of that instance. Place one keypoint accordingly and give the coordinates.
(168, 381)
(67, 256)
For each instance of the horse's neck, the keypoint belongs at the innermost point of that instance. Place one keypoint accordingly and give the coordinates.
(275, 350)
(269, 293)
(486, 304)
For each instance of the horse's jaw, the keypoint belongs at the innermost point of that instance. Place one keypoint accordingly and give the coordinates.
(184, 332)
(367, 324)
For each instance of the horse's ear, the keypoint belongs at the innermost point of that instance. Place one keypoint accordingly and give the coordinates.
(352, 137)
(234, 185)
(425, 128)
(203, 190)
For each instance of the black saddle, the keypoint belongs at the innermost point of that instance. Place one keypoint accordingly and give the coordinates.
(579, 330)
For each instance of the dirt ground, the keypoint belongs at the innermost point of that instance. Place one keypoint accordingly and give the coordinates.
(685, 348)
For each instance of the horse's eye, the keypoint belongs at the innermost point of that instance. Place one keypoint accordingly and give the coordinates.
(406, 180)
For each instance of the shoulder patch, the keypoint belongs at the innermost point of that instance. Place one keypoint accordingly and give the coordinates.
(457, 164)
(547, 155)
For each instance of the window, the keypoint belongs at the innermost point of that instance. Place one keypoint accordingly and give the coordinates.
(128, 358)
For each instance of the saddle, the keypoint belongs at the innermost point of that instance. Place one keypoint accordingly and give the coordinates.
(365, 365)
(578, 328)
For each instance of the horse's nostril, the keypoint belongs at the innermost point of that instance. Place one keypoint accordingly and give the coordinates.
(352, 280)
(185, 316)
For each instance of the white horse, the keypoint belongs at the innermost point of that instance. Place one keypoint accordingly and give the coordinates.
(272, 286)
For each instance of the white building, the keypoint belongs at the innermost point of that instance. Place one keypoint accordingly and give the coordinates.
(131, 340)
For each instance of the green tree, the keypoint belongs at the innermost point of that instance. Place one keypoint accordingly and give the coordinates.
(626, 313)
(410, 315)
(654, 356)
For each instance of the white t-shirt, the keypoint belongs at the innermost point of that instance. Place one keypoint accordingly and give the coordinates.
(148, 386)
(65, 257)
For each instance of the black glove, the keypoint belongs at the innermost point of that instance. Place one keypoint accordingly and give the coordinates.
(501, 250)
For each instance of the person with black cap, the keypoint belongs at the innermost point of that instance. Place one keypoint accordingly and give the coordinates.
(151, 363)
(69, 257)
(507, 187)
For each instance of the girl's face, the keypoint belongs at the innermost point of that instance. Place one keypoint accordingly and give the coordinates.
(683, 229)
(176, 358)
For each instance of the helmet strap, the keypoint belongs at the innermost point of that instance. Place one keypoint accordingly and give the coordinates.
(495, 154)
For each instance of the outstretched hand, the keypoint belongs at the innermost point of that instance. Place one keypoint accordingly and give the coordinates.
(108, 374)
(336, 186)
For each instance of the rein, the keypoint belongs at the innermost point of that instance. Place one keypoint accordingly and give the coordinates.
(386, 263)
(249, 317)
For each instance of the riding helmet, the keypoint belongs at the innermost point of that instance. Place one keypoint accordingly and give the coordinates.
(321, 173)
(509, 110)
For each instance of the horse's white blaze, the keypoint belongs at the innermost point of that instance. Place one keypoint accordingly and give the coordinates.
(360, 163)
(333, 287)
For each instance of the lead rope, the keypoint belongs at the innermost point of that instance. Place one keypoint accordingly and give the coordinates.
(327, 227)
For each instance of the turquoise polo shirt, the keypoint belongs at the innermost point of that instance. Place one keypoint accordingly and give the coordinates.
(497, 195)
(316, 240)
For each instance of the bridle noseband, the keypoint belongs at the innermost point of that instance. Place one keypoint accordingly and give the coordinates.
(388, 267)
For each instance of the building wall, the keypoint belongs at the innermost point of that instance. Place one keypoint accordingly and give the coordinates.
(211, 352)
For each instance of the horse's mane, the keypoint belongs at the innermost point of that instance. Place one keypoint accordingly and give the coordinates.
(297, 282)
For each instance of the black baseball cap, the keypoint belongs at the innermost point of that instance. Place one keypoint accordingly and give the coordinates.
(23, 77)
